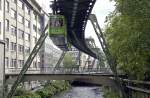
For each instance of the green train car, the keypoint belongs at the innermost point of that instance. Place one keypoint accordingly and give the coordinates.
(58, 31)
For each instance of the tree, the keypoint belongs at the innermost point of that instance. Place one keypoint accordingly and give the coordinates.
(101, 59)
(69, 60)
(127, 34)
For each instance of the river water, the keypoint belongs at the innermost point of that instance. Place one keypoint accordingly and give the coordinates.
(82, 92)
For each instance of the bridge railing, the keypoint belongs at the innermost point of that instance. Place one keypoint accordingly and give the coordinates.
(60, 70)
(136, 88)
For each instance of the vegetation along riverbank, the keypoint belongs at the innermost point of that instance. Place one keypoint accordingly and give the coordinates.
(49, 90)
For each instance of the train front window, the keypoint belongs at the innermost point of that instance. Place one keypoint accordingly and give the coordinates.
(56, 23)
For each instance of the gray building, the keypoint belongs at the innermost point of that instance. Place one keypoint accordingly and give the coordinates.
(49, 54)
(22, 21)
(1, 19)
(79, 57)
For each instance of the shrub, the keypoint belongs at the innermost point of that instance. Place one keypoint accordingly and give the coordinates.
(48, 91)
(53, 88)
(108, 93)
(21, 93)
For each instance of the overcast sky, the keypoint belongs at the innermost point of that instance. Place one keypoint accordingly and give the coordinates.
(102, 8)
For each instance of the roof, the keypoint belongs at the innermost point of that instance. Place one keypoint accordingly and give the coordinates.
(34, 5)
(76, 13)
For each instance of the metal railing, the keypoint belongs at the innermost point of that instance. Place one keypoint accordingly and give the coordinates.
(60, 70)
(136, 89)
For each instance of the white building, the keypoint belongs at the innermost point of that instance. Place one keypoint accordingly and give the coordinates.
(22, 27)
(1, 19)
(21, 23)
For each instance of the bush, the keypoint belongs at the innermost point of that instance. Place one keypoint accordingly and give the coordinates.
(48, 91)
(108, 93)
(53, 88)
(21, 93)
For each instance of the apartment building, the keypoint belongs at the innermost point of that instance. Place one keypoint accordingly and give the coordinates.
(79, 57)
(49, 54)
(1, 19)
(22, 21)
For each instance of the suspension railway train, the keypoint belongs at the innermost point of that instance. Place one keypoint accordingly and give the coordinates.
(58, 31)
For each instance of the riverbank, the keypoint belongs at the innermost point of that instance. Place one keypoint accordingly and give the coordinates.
(109, 93)
(49, 90)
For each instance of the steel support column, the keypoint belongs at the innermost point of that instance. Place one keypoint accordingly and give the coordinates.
(59, 61)
(111, 61)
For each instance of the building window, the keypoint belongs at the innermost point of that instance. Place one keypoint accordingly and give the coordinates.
(13, 13)
(39, 64)
(13, 31)
(7, 25)
(27, 50)
(20, 48)
(34, 16)
(0, 4)
(27, 37)
(39, 30)
(13, 63)
(0, 28)
(39, 19)
(20, 63)
(27, 23)
(7, 6)
(15, 1)
(20, 18)
(20, 4)
(6, 62)
(7, 43)
(13, 46)
(27, 10)
(35, 39)
(34, 64)
(34, 27)
(20, 34)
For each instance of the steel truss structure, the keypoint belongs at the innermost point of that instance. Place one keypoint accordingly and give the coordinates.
(59, 61)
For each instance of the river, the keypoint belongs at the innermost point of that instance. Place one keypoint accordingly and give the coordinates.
(82, 92)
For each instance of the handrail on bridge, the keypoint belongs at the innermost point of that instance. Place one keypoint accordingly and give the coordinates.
(60, 70)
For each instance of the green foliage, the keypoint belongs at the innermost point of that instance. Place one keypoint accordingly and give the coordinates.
(109, 93)
(48, 91)
(21, 93)
(102, 59)
(127, 33)
(68, 60)
(53, 88)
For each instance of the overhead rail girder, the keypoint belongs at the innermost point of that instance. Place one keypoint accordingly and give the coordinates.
(76, 13)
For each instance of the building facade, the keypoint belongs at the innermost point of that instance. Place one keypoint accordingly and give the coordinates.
(22, 21)
(49, 54)
(1, 19)
(80, 57)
